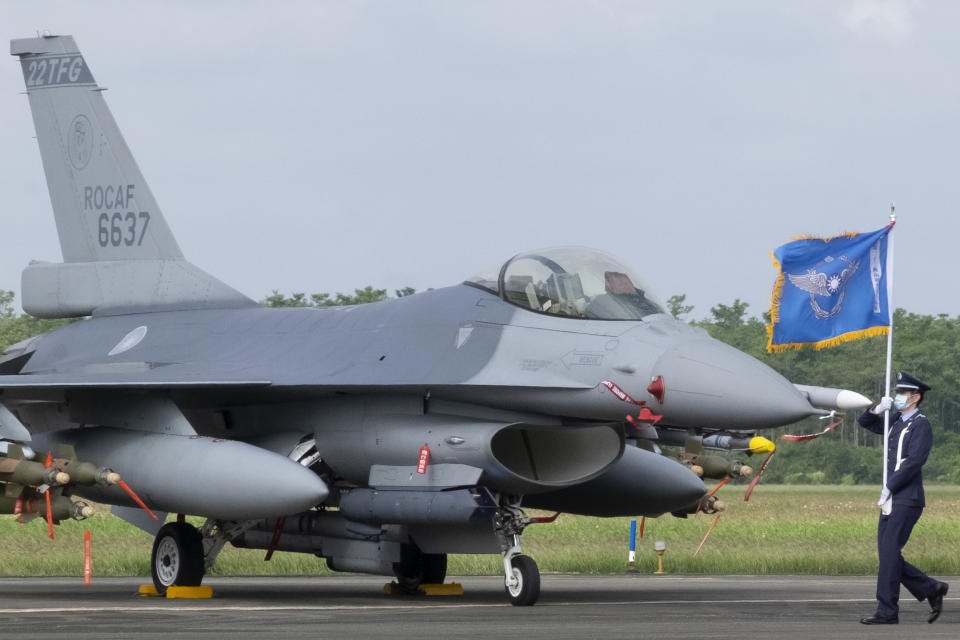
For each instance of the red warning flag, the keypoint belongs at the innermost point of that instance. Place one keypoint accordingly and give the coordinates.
(424, 459)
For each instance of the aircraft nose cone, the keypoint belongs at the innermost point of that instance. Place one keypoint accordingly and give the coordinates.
(708, 382)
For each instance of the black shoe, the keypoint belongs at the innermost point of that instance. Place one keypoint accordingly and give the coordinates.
(878, 619)
(936, 601)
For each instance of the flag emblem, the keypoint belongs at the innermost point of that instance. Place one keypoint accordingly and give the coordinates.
(826, 284)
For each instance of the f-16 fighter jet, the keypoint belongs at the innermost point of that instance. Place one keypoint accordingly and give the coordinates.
(381, 437)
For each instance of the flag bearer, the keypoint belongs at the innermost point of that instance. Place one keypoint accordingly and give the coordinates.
(902, 501)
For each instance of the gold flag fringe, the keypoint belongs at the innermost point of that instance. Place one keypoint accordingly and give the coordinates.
(845, 234)
(777, 293)
(823, 344)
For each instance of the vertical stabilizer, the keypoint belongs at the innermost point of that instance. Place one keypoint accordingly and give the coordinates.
(103, 206)
(117, 248)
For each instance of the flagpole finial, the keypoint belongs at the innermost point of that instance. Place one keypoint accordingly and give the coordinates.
(893, 213)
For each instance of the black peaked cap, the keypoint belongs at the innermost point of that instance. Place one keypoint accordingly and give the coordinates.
(906, 381)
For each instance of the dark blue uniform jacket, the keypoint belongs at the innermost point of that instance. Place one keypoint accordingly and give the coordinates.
(912, 438)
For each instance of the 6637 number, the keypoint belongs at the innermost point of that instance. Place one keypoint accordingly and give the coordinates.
(123, 229)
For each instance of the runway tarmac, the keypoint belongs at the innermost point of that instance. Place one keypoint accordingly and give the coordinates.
(570, 606)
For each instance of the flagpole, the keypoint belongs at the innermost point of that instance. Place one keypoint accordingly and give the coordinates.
(886, 388)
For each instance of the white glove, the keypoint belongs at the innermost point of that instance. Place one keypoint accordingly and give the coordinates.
(885, 403)
(884, 496)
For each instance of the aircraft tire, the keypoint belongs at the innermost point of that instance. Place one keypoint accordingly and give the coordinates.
(434, 568)
(417, 568)
(177, 557)
(527, 590)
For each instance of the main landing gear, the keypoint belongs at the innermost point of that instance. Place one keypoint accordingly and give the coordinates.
(177, 557)
(521, 575)
(182, 554)
(416, 568)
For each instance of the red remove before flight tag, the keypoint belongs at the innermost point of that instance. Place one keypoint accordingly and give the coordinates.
(424, 458)
(620, 393)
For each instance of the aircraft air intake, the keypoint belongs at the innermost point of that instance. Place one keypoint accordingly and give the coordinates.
(513, 458)
(555, 455)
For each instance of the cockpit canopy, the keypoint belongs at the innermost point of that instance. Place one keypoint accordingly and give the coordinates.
(574, 282)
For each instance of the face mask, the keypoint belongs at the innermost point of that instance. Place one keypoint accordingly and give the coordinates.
(900, 402)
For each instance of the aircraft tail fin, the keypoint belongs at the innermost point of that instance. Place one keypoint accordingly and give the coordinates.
(118, 250)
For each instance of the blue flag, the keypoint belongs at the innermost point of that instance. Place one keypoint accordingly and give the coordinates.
(829, 291)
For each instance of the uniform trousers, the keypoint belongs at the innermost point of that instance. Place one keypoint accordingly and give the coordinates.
(893, 531)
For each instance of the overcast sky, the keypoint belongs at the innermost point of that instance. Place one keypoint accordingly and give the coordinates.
(323, 146)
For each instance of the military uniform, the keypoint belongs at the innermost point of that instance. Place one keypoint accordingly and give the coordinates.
(908, 446)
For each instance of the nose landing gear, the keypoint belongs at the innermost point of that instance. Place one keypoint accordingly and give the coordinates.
(522, 582)
(521, 575)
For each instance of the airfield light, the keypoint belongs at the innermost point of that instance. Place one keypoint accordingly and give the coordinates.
(659, 546)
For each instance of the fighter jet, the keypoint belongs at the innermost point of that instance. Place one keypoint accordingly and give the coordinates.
(381, 437)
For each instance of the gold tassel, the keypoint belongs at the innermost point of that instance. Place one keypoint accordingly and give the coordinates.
(825, 344)
(845, 234)
(775, 303)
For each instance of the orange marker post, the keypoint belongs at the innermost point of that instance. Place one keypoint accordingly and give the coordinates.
(49, 516)
(87, 558)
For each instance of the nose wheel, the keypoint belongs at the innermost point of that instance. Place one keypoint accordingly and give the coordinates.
(522, 583)
(177, 557)
(521, 575)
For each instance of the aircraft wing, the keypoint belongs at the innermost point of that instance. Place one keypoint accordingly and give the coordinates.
(199, 381)
(116, 380)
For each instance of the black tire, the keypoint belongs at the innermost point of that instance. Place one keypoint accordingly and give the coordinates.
(177, 557)
(434, 568)
(527, 590)
(416, 568)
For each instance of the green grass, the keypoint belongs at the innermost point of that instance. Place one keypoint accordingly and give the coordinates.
(824, 530)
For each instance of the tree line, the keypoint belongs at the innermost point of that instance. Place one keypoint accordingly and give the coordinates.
(926, 346)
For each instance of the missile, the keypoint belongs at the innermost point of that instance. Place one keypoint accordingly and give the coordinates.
(755, 444)
(706, 466)
(222, 479)
(29, 473)
(35, 505)
(745, 443)
(86, 473)
(717, 467)
(709, 504)
(833, 399)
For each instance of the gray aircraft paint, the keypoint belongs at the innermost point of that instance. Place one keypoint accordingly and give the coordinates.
(117, 247)
(413, 342)
(210, 405)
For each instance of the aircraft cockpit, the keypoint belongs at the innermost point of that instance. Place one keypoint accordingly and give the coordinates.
(573, 282)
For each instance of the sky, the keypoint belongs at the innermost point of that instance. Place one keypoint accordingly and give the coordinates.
(323, 146)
